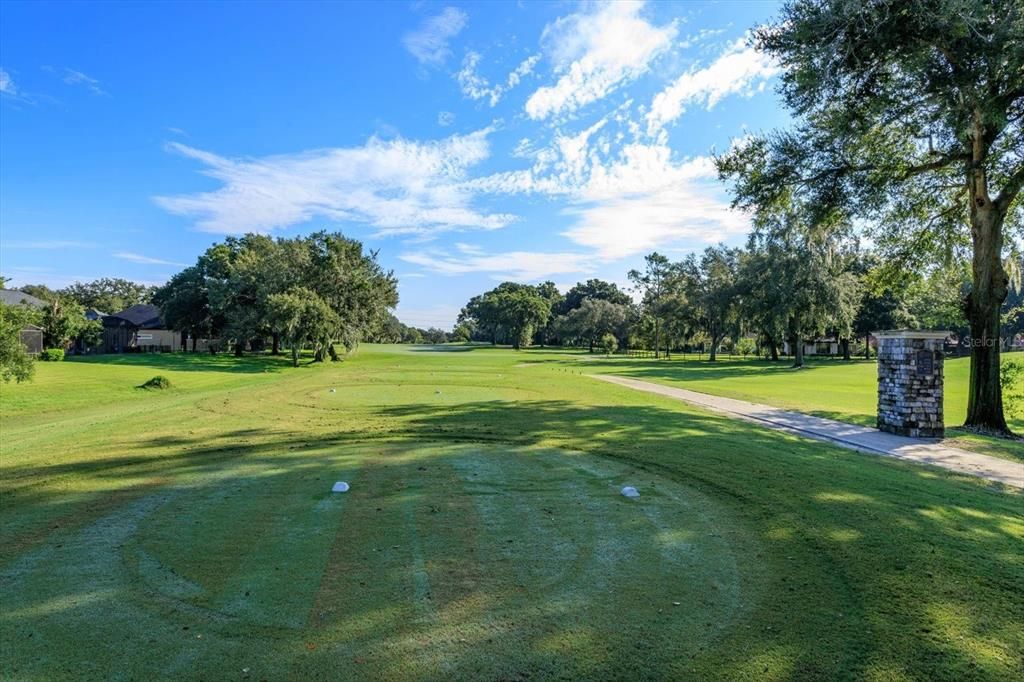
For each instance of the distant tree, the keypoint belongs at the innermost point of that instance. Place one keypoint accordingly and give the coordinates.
(593, 319)
(62, 319)
(592, 289)
(90, 334)
(462, 332)
(301, 317)
(909, 116)
(716, 294)
(15, 363)
(883, 303)
(549, 292)
(40, 291)
(510, 312)
(609, 344)
(352, 283)
(764, 291)
(108, 294)
(435, 335)
(522, 310)
(241, 275)
(658, 285)
(184, 303)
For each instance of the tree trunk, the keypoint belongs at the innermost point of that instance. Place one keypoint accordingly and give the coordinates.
(867, 346)
(239, 348)
(657, 338)
(989, 287)
(333, 353)
(193, 343)
(295, 355)
(845, 345)
(773, 348)
(713, 353)
(276, 350)
(798, 351)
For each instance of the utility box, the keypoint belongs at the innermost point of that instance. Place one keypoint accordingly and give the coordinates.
(910, 382)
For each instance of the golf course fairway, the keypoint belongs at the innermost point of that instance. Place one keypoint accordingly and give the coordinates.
(192, 533)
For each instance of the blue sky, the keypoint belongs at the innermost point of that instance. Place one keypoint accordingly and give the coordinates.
(469, 142)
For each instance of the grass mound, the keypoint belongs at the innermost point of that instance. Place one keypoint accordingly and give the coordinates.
(159, 383)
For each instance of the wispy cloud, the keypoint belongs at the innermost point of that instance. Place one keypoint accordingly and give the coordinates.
(397, 186)
(7, 86)
(48, 244)
(73, 77)
(78, 78)
(476, 86)
(522, 266)
(738, 70)
(10, 90)
(145, 260)
(429, 43)
(629, 202)
(596, 52)
(445, 118)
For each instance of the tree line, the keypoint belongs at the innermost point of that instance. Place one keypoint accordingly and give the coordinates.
(320, 291)
(781, 289)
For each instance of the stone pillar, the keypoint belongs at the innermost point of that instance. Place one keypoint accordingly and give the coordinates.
(910, 383)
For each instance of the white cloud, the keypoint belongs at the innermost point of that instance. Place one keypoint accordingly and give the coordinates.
(144, 260)
(522, 266)
(7, 85)
(596, 52)
(72, 77)
(739, 70)
(636, 201)
(398, 186)
(429, 43)
(445, 118)
(476, 86)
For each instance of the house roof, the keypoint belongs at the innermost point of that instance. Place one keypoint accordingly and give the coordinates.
(15, 297)
(142, 315)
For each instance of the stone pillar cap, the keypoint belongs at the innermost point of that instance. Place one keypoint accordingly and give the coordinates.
(910, 334)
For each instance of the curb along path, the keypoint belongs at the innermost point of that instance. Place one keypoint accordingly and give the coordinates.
(860, 438)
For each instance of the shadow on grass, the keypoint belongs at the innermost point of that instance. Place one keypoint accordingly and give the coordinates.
(869, 566)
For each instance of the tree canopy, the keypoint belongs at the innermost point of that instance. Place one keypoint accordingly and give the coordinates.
(248, 288)
(909, 116)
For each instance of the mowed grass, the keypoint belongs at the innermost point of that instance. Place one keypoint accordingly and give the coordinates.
(847, 391)
(190, 533)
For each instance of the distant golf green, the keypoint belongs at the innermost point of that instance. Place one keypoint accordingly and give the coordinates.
(191, 532)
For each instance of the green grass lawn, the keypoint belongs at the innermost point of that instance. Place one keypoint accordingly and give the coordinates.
(846, 391)
(190, 532)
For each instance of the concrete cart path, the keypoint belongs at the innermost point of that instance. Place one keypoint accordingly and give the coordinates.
(861, 438)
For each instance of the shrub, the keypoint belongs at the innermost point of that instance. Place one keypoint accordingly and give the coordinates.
(52, 355)
(1011, 378)
(609, 343)
(746, 346)
(158, 382)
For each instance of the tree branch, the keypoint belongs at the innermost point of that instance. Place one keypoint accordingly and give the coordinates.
(905, 173)
(1010, 190)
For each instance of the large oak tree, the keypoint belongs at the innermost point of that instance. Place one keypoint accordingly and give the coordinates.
(909, 116)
